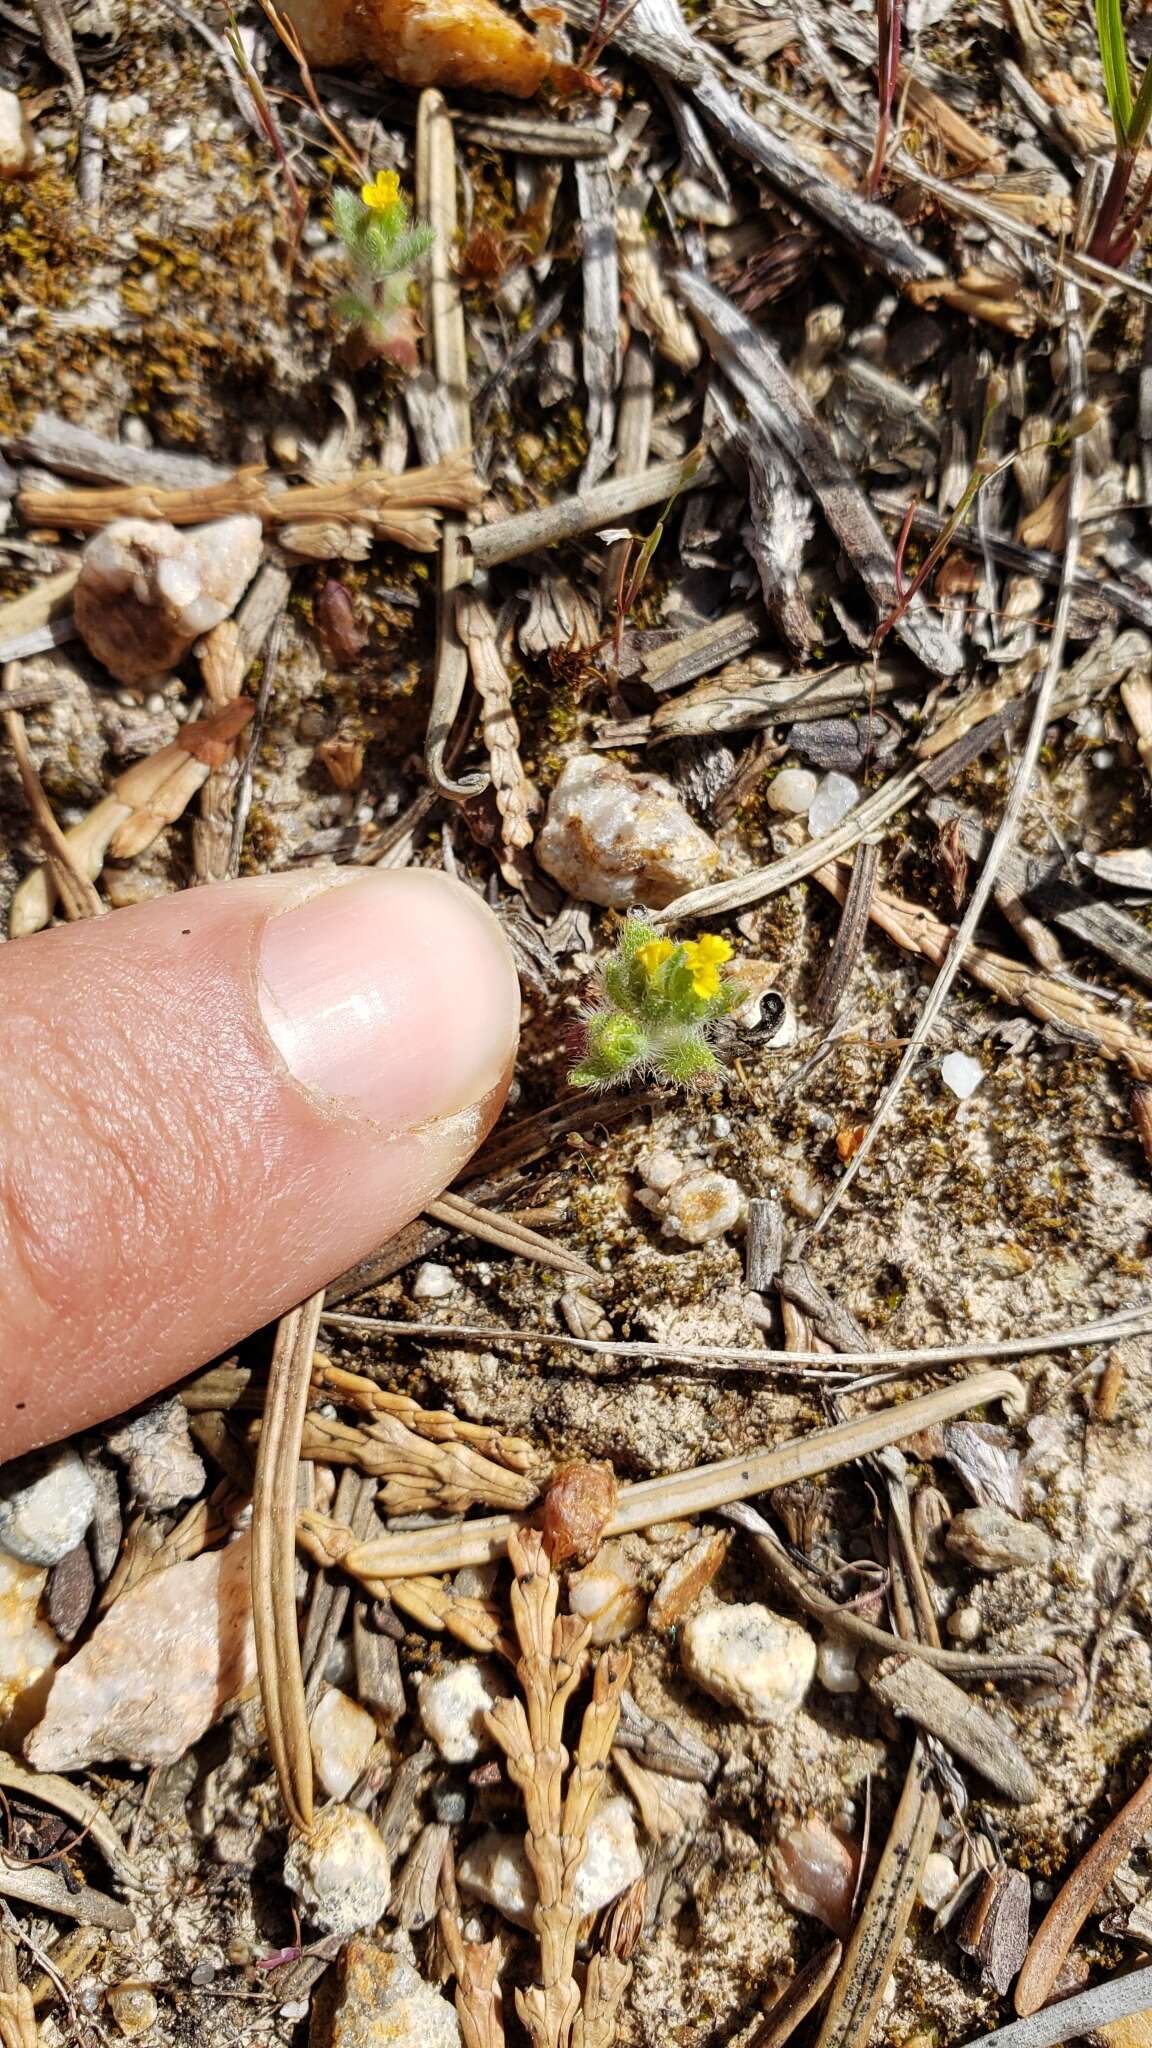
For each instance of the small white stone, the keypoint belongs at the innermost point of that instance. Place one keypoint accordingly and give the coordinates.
(45, 1506)
(19, 150)
(340, 1871)
(605, 1594)
(495, 1867)
(175, 136)
(433, 1282)
(383, 2002)
(938, 1881)
(28, 1647)
(453, 1704)
(964, 1624)
(163, 1468)
(158, 1669)
(961, 1073)
(749, 1658)
(791, 792)
(615, 838)
(342, 1735)
(833, 800)
(836, 1665)
(147, 590)
(660, 1169)
(702, 1205)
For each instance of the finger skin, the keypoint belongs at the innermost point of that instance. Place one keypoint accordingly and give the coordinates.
(166, 1186)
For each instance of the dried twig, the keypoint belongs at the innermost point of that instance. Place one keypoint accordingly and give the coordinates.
(517, 799)
(274, 1557)
(552, 1650)
(50, 1891)
(420, 1477)
(476, 1967)
(242, 803)
(492, 1228)
(682, 1495)
(1076, 1898)
(797, 1999)
(79, 1806)
(849, 934)
(436, 204)
(1070, 2018)
(610, 504)
(934, 1703)
(596, 191)
(824, 1365)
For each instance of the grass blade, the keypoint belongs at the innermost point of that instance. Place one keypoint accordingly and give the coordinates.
(1114, 58)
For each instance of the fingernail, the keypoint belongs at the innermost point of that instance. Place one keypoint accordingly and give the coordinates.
(394, 995)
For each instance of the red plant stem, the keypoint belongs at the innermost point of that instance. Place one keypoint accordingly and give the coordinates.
(887, 73)
(1105, 238)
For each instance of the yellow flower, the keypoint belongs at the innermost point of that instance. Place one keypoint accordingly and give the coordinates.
(383, 192)
(705, 957)
(653, 954)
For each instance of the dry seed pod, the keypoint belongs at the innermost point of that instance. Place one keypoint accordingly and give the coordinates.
(579, 1503)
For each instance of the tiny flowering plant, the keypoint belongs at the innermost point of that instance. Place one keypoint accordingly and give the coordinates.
(660, 1003)
(384, 245)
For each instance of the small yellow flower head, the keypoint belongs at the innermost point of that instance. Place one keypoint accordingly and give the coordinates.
(705, 957)
(383, 192)
(653, 955)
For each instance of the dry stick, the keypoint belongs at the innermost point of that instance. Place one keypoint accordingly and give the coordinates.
(797, 2000)
(436, 204)
(1076, 1898)
(78, 1806)
(492, 1228)
(610, 504)
(1133, 1322)
(1119, 1999)
(1006, 830)
(842, 1621)
(76, 892)
(934, 1703)
(849, 934)
(50, 1892)
(785, 414)
(678, 1496)
(274, 1557)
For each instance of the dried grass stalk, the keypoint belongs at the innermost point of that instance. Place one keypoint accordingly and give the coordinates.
(404, 508)
(916, 930)
(517, 799)
(274, 1558)
(530, 1733)
(419, 1476)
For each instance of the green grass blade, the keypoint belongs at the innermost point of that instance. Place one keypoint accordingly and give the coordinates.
(1114, 58)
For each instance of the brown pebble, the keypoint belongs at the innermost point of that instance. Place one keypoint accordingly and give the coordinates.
(70, 1592)
(685, 1580)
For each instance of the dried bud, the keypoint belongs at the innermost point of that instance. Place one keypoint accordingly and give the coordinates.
(624, 1921)
(342, 636)
(344, 760)
(577, 1507)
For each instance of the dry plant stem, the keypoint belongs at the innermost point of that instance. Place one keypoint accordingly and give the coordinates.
(439, 1425)
(875, 1942)
(825, 1365)
(934, 1703)
(17, 2012)
(609, 1972)
(1072, 2018)
(516, 798)
(531, 1735)
(419, 1477)
(609, 504)
(436, 204)
(1006, 830)
(75, 890)
(274, 1557)
(78, 1806)
(243, 803)
(841, 1621)
(404, 508)
(460, 1214)
(1010, 981)
(850, 933)
(797, 2000)
(476, 1967)
(717, 899)
(678, 1496)
(1077, 1897)
(49, 1892)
